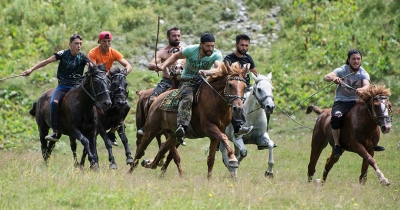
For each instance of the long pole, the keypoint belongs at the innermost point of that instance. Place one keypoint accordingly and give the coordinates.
(155, 50)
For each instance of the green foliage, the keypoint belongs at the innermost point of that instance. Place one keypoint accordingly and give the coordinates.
(314, 39)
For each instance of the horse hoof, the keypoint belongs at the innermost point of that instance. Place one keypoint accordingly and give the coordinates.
(113, 166)
(145, 162)
(95, 167)
(243, 152)
(233, 164)
(269, 174)
(129, 161)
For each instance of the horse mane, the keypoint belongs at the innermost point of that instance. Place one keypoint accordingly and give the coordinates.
(374, 90)
(116, 70)
(220, 71)
(225, 70)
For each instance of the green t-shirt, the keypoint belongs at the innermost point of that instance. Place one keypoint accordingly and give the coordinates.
(194, 64)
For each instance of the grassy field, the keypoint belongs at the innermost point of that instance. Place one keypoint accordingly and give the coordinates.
(26, 183)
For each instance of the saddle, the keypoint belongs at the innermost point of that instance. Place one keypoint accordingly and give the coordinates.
(171, 101)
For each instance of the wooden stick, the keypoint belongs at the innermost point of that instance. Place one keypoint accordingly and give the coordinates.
(155, 50)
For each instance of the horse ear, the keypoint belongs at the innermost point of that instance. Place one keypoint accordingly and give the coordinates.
(245, 69)
(269, 75)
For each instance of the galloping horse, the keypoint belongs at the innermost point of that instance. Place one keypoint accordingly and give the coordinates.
(211, 115)
(359, 133)
(77, 113)
(142, 108)
(115, 116)
(257, 105)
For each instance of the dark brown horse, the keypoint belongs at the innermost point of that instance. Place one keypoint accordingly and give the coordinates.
(210, 116)
(142, 110)
(359, 133)
(77, 113)
(115, 116)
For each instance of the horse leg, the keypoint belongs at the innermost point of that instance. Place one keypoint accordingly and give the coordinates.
(108, 144)
(144, 143)
(364, 170)
(124, 139)
(269, 172)
(44, 131)
(158, 137)
(72, 144)
(165, 147)
(232, 162)
(173, 154)
(328, 166)
(318, 144)
(211, 157)
(94, 164)
(86, 145)
(368, 158)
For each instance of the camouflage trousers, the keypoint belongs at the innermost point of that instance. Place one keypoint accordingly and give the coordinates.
(186, 91)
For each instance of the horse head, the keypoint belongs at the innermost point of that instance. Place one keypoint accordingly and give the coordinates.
(235, 86)
(379, 107)
(263, 92)
(96, 84)
(118, 89)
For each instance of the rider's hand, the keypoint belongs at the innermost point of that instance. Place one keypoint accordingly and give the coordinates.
(337, 80)
(26, 73)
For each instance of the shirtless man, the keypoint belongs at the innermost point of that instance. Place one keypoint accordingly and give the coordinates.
(174, 38)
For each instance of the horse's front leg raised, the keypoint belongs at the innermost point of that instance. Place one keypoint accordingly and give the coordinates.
(369, 159)
(232, 161)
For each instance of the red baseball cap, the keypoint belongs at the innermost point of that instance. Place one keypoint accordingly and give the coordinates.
(104, 35)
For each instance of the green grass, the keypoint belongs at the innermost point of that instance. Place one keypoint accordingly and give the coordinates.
(27, 183)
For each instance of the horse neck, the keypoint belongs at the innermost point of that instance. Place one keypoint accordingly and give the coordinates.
(84, 99)
(251, 104)
(364, 110)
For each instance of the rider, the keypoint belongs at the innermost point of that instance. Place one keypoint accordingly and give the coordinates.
(69, 73)
(240, 55)
(351, 79)
(200, 58)
(174, 38)
(104, 54)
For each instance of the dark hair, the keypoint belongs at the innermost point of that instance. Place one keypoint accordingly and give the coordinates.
(172, 29)
(207, 37)
(73, 37)
(352, 52)
(242, 36)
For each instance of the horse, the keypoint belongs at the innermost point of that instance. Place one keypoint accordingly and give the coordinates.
(142, 108)
(220, 96)
(259, 103)
(359, 133)
(115, 116)
(77, 113)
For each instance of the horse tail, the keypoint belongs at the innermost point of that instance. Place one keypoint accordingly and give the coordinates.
(312, 108)
(33, 109)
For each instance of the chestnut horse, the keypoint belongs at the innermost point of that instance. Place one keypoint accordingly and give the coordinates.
(115, 116)
(359, 133)
(142, 109)
(77, 113)
(222, 95)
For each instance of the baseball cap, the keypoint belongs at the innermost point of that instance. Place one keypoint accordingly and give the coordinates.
(104, 35)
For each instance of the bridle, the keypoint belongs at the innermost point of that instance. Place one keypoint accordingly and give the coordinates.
(261, 100)
(102, 88)
(383, 100)
(121, 88)
(231, 98)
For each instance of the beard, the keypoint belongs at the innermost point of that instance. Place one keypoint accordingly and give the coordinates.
(174, 43)
(355, 68)
(242, 52)
(207, 53)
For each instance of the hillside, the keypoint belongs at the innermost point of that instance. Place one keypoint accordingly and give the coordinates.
(300, 42)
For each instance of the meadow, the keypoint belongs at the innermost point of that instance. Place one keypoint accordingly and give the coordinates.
(27, 183)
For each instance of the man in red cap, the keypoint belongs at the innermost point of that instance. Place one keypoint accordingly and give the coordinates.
(104, 54)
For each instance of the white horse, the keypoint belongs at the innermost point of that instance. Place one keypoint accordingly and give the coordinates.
(257, 105)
